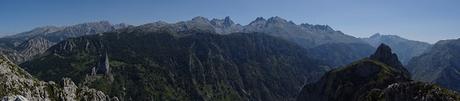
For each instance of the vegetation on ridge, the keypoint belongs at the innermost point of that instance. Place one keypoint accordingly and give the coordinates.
(193, 66)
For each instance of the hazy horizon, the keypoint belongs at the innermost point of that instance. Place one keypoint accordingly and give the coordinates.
(419, 20)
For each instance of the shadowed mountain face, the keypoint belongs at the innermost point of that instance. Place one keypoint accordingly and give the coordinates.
(440, 65)
(406, 49)
(337, 54)
(321, 41)
(385, 55)
(380, 77)
(193, 66)
(24, 46)
(307, 35)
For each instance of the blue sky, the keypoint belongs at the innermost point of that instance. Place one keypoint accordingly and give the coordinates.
(424, 20)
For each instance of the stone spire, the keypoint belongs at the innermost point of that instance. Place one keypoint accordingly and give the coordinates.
(385, 55)
(103, 66)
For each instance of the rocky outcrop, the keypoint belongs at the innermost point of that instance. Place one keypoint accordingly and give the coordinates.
(225, 26)
(103, 66)
(18, 85)
(385, 55)
(413, 91)
(377, 78)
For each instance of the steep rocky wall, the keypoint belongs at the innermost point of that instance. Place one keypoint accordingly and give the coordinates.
(17, 84)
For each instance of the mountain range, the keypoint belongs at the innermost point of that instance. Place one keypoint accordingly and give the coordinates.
(24, 46)
(406, 49)
(321, 41)
(439, 64)
(200, 59)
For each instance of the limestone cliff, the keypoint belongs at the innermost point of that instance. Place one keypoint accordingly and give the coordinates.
(16, 84)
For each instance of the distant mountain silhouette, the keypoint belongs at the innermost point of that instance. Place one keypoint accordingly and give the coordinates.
(24, 46)
(406, 49)
(440, 64)
(323, 42)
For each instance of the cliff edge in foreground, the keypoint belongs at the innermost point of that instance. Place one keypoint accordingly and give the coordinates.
(18, 85)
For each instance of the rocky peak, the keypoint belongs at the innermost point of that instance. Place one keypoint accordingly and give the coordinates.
(120, 25)
(199, 19)
(226, 22)
(46, 29)
(155, 24)
(260, 24)
(225, 26)
(386, 37)
(74, 30)
(276, 19)
(101, 25)
(258, 21)
(93, 24)
(199, 23)
(80, 30)
(356, 80)
(376, 35)
(162, 23)
(351, 82)
(317, 28)
(385, 55)
(104, 66)
(37, 31)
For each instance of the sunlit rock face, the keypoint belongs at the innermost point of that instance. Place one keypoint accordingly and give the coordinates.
(18, 85)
